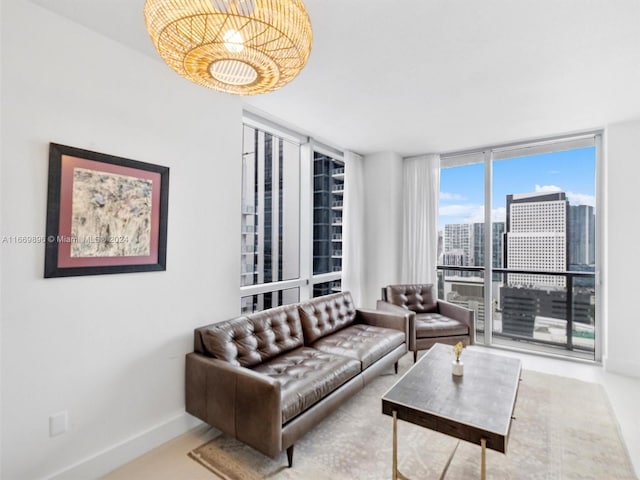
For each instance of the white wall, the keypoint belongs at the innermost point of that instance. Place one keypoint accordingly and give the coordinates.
(623, 262)
(383, 223)
(1, 269)
(108, 349)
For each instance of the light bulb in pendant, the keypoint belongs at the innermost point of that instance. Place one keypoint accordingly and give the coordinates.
(233, 41)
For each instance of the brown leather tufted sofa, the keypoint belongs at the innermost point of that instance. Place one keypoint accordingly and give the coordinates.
(431, 320)
(269, 377)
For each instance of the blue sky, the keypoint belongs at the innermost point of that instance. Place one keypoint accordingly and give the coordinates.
(462, 188)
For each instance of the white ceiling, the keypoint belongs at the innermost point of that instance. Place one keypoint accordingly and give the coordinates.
(417, 76)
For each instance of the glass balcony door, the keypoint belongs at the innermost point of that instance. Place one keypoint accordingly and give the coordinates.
(538, 292)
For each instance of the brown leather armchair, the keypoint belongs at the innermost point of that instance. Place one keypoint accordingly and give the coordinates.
(432, 320)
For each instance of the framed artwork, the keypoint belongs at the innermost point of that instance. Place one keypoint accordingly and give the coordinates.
(105, 214)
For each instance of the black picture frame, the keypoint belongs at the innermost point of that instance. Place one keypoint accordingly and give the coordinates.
(106, 196)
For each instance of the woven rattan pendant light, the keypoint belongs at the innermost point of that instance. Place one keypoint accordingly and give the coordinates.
(235, 46)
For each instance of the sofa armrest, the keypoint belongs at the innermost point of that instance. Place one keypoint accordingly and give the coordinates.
(459, 313)
(237, 400)
(398, 310)
(397, 318)
(390, 307)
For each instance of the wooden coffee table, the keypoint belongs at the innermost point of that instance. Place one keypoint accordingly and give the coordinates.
(477, 407)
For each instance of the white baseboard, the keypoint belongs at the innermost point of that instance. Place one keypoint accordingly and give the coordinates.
(621, 367)
(98, 465)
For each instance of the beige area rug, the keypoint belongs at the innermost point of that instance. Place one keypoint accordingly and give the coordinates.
(564, 429)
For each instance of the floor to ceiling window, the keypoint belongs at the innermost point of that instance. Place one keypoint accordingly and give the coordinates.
(270, 244)
(532, 209)
(291, 229)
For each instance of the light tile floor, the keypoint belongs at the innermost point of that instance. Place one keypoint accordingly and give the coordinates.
(170, 461)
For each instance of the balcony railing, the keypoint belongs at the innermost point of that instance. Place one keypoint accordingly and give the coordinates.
(547, 308)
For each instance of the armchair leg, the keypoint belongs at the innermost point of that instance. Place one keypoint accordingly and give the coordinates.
(395, 367)
(290, 456)
(415, 356)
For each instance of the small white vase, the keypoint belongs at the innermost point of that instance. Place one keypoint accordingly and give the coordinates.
(457, 368)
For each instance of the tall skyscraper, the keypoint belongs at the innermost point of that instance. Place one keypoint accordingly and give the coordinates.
(497, 244)
(458, 239)
(477, 257)
(582, 235)
(328, 191)
(536, 237)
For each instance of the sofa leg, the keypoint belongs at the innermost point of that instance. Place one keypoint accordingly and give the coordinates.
(395, 367)
(290, 456)
(415, 356)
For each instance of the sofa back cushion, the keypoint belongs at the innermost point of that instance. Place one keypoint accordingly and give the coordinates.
(250, 340)
(419, 298)
(324, 315)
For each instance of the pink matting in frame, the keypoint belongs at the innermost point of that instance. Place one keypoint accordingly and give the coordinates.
(105, 214)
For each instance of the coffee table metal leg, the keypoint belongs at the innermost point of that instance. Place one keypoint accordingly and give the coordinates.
(446, 467)
(483, 460)
(396, 474)
(394, 466)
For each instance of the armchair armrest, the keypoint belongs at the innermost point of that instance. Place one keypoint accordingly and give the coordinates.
(459, 313)
(237, 400)
(384, 306)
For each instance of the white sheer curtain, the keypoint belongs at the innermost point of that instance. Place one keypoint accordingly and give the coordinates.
(353, 227)
(421, 191)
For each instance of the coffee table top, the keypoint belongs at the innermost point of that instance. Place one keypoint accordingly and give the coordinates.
(477, 405)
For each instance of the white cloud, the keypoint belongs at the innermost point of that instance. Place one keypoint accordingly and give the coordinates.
(457, 210)
(450, 196)
(499, 214)
(548, 188)
(574, 198)
(581, 199)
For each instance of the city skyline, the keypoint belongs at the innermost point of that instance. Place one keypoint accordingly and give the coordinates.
(462, 188)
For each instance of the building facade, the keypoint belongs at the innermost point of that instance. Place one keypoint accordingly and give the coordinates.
(328, 195)
(497, 244)
(536, 237)
(582, 236)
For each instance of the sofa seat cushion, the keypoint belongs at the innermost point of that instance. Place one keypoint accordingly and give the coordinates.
(365, 343)
(437, 325)
(306, 376)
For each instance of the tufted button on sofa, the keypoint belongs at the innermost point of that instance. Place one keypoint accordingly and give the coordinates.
(431, 320)
(269, 377)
